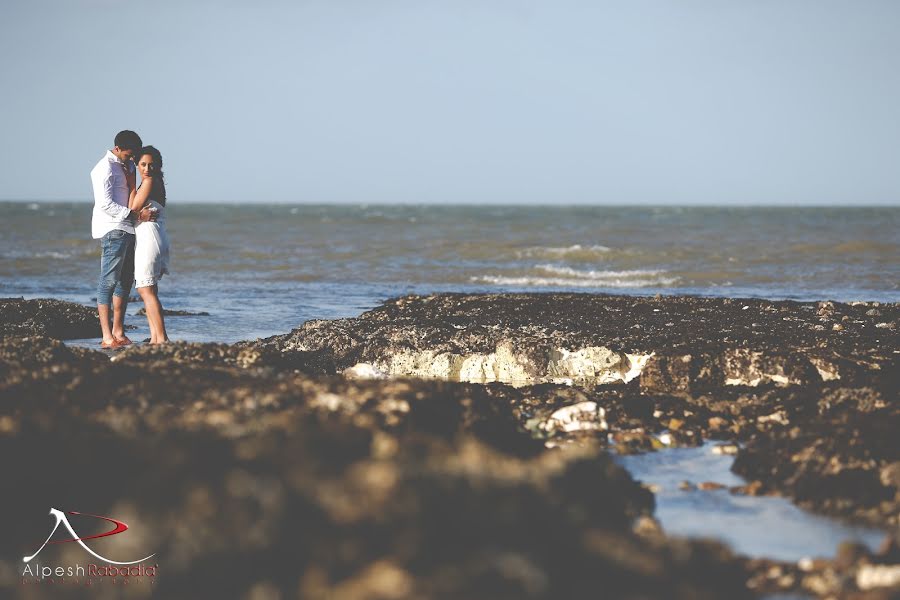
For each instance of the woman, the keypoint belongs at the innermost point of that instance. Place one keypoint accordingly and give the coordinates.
(151, 246)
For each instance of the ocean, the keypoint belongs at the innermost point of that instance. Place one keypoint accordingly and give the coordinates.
(263, 269)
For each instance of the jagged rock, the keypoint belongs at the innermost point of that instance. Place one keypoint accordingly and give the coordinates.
(674, 344)
(226, 355)
(242, 478)
(855, 572)
(832, 465)
(757, 369)
(173, 313)
(871, 577)
(671, 373)
(47, 317)
(584, 416)
(742, 366)
(446, 489)
(890, 475)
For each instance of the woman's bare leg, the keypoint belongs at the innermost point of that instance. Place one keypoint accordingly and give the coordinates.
(154, 314)
(147, 297)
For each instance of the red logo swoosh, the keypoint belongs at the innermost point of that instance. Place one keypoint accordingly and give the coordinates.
(119, 528)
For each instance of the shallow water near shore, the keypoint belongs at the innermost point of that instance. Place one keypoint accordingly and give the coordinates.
(756, 526)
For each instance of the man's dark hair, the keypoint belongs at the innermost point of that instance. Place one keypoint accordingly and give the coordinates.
(128, 140)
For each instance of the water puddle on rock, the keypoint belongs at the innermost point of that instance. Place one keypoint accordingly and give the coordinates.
(756, 526)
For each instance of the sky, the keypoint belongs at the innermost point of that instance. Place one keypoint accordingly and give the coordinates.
(459, 101)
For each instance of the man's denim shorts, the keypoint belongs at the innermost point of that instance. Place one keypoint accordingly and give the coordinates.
(116, 266)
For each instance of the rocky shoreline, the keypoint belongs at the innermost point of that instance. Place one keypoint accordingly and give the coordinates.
(48, 317)
(777, 376)
(457, 445)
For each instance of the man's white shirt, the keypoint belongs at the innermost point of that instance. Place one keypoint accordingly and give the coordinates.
(110, 196)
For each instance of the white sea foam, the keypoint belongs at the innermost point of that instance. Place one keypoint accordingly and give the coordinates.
(51, 254)
(579, 274)
(21, 254)
(562, 251)
(585, 283)
(562, 276)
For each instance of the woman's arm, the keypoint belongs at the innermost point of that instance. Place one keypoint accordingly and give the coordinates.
(138, 197)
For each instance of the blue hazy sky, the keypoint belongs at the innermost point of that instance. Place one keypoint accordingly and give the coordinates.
(476, 101)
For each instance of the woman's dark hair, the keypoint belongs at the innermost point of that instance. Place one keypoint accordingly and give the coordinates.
(159, 191)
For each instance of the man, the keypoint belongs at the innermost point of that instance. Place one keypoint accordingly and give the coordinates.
(112, 223)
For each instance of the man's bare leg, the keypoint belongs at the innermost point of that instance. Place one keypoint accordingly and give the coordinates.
(103, 312)
(118, 326)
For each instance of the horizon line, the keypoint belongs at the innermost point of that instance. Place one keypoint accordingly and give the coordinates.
(622, 204)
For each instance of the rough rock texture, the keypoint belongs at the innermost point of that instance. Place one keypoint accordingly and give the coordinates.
(854, 572)
(842, 460)
(681, 343)
(174, 313)
(810, 387)
(300, 481)
(249, 479)
(52, 318)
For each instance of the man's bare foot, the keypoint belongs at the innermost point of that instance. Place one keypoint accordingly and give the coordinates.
(111, 344)
(123, 340)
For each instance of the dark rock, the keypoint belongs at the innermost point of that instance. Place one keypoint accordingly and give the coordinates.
(834, 466)
(238, 474)
(173, 313)
(225, 355)
(710, 486)
(130, 299)
(306, 483)
(696, 343)
(763, 372)
(47, 317)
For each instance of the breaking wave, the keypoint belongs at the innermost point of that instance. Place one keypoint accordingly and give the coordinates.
(578, 274)
(576, 252)
(556, 276)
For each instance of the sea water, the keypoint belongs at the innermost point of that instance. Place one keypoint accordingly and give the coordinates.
(260, 269)
(757, 526)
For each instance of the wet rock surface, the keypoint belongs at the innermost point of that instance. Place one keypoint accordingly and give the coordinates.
(174, 313)
(313, 460)
(248, 475)
(815, 405)
(47, 317)
(674, 344)
(854, 572)
(842, 466)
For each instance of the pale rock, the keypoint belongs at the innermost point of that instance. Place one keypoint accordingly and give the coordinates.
(584, 416)
(877, 576)
(363, 371)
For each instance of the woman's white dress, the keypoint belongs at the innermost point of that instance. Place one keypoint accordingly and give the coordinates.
(151, 249)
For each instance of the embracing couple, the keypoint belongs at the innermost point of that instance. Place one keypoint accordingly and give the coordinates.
(130, 223)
